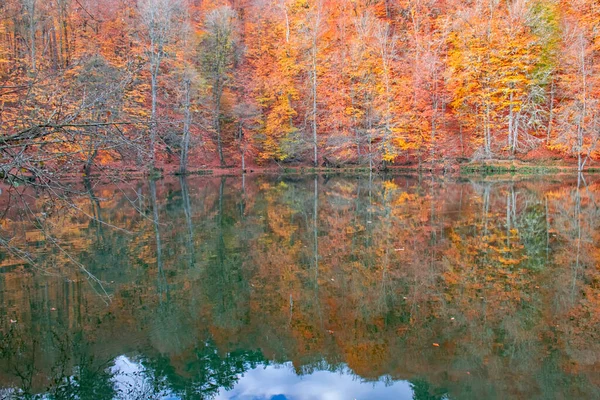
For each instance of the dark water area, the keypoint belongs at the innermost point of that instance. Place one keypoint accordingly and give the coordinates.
(322, 287)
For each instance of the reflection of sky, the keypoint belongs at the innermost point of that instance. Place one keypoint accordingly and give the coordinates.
(278, 382)
(129, 378)
(282, 383)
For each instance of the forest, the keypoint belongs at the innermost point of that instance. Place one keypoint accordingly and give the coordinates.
(93, 85)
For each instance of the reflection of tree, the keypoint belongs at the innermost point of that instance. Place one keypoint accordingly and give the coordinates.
(484, 270)
(163, 288)
(76, 373)
(187, 209)
(422, 391)
(533, 230)
(226, 284)
(96, 220)
(204, 374)
(88, 380)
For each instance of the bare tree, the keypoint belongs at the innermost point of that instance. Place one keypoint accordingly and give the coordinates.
(386, 43)
(217, 63)
(159, 18)
(314, 25)
(578, 114)
(30, 9)
(246, 115)
(364, 89)
(187, 122)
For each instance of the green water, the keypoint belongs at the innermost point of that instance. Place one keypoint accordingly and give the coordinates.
(321, 287)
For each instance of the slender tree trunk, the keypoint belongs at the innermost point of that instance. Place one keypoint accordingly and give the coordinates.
(32, 31)
(510, 124)
(434, 115)
(581, 124)
(314, 51)
(242, 145)
(551, 112)
(217, 121)
(66, 57)
(487, 133)
(314, 99)
(515, 137)
(154, 123)
(185, 142)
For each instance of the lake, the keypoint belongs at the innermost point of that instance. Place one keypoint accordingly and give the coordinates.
(316, 287)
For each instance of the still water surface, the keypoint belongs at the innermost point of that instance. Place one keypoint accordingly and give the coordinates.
(305, 288)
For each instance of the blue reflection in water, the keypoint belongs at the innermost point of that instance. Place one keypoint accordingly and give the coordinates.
(281, 382)
(275, 382)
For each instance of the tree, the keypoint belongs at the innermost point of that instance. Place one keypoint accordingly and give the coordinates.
(159, 18)
(30, 7)
(314, 21)
(578, 112)
(218, 52)
(274, 60)
(362, 71)
(386, 47)
(498, 71)
(187, 120)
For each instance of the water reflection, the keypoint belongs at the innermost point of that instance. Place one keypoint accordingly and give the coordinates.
(132, 379)
(284, 383)
(301, 288)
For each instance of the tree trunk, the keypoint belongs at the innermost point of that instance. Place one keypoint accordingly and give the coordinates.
(185, 142)
(153, 123)
(314, 101)
(217, 126)
(551, 112)
(32, 30)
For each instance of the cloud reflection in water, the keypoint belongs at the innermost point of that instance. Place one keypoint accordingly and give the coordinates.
(282, 383)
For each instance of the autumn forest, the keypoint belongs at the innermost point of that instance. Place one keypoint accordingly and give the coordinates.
(350, 236)
(87, 85)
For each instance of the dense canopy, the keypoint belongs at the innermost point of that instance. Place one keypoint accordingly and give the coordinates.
(90, 83)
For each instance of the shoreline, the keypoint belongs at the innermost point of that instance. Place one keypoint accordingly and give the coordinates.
(481, 169)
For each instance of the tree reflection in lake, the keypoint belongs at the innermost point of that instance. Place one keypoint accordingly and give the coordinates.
(404, 287)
